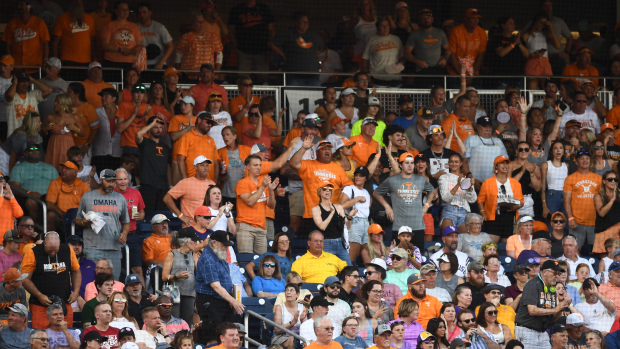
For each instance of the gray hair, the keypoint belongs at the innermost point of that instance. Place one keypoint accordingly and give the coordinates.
(176, 241)
(35, 333)
(317, 322)
(536, 241)
(569, 237)
(51, 308)
(108, 261)
(472, 216)
(519, 224)
(122, 170)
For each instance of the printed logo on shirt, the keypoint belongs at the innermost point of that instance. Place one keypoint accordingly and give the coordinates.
(588, 191)
(304, 42)
(614, 155)
(79, 27)
(251, 19)
(431, 40)
(262, 198)
(22, 35)
(112, 342)
(21, 110)
(408, 192)
(105, 206)
(324, 175)
(382, 46)
(124, 35)
(547, 300)
(54, 267)
(159, 149)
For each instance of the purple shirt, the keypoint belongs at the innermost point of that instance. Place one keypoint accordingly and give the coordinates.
(406, 345)
(87, 268)
(7, 261)
(58, 339)
(411, 332)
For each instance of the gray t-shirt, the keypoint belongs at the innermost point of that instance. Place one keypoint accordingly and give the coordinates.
(406, 194)
(113, 208)
(471, 245)
(347, 343)
(235, 171)
(442, 112)
(427, 45)
(4, 85)
(10, 339)
(153, 39)
(47, 106)
(10, 299)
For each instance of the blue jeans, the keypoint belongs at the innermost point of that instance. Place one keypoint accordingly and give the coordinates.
(302, 80)
(555, 201)
(132, 150)
(334, 246)
(454, 213)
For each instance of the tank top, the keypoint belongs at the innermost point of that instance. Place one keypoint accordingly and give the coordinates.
(525, 181)
(363, 30)
(186, 287)
(402, 33)
(603, 170)
(287, 317)
(349, 173)
(335, 227)
(354, 119)
(367, 334)
(536, 42)
(449, 285)
(603, 223)
(556, 176)
(499, 337)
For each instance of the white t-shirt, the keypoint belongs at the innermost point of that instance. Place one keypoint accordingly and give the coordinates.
(223, 119)
(588, 120)
(337, 313)
(306, 330)
(330, 64)
(222, 222)
(439, 293)
(157, 35)
(462, 257)
(4, 85)
(151, 342)
(383, 51)
(597, 316)
(363, 209)
(16, 109)
(84, 175)
(332, 138)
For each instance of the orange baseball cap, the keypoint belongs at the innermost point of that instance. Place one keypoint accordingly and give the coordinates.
(338, 119)
(7, 60)
(405, 156)
(171, 71)
(202, 211)
(70, 164)
(12, 274)
(208, 3)
(472, 13)
(586, 50)
(500, 159)
(607, 126)
(375, 229)
(215, 96)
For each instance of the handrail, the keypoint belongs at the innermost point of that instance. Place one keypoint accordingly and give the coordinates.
(26, 194)
(247, 314)
(248, 339)
(127, 265)
(156, 281)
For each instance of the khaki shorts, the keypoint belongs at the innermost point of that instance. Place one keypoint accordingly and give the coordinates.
(270, 229)
(251, 239)
(296, 203)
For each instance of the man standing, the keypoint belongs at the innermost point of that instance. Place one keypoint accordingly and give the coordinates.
(547, 103)
(75, 31)
(155, 158)
(460, 120)
(46, 279)
(480, 149)
(103, 283)
(59, 335)
(135, 205)
(112, 206)
(94, 84)
(581, 113)
(475, 282)
(195, 143)
(155, 37)
(405, 190)
(317, 265)
(599, 311)
(417, 134)
(465, 320)
(18, 100)
(429, 274)
(399, 273)
(240, 105)
(87, 267)
(571, 256)
(579, 190)
(51, 69)
(103, 266)
(428, 43)
(468, 42)
(203, 89)
(103, 314)
(11, 292)
(341, 309)
(320, 308)
(539, 308)
(594, 102)
(154, 330)
(575, 326)
(429, 306)
(365, 145)
(437, 156)
(214, 285)
(137, 298)
(450, 239)
(251, 25)
(407, 115)
(15, 335)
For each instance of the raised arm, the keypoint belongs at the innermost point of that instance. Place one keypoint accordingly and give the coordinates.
(250, 199)
(295, 161)
(141, 132)
(257, 131)
(523, 108)
(283, 158)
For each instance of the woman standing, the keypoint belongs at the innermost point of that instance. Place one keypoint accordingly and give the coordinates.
(454, 199)
(448, 312)
(342, 156)
(291, 315)
(367, 323)
(361, 28)
(600, 163)
(172, 92)
(330, 220)
(447, 278)
(553, 173)
(329, 104)
(132, 76)
(120, 312)
(213, 200)
(61, 124)
(160, 107)
(536, 38)
(355, 197)
(522, 238)
(492, 275)
(437, 327)
(504, 190)
(268, 283)
(487, 321)
(372, 291)
(232, 168)
(401, 25)
(221, 117)
(607, 204)
(120, 39)
(528, 175)
(422, 167)
(462, 298)
(408, 312)
(12, 150)
(382, 51)
(345, 111)
(398, 334)
(281, 250)
(475, 110)
(179, 267)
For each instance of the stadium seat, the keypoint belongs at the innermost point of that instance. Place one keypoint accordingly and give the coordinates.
(362, 271)
(594, 262)
(431, 247)
(267, 330)
(77, 319)
(199, 346)
(258, 305)
(501, 248)
(314, 288)
(146, 227)
(508, 263)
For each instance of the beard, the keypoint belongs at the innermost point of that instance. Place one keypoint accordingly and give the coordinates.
(221, 254)
(31, 157)
(77, 13)
(407, 112)
(418, 294)
(476, 282)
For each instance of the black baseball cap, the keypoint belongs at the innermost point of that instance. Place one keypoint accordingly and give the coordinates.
(404, 99)
(558, 328)
(108, 91)
(75, 239)
(554, 81)
(21, 76)
(205, 115)
(551, 264)
(320, 301)
(484, 121)
(586, 283)
(94, 336)
(189, 233)
(153, 118)
(30, 146)
(426, 112)
(138, 88)
(221, 236)
(362, 170)
(124, 332)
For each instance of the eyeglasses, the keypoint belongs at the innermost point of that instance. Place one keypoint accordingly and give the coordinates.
(397, 258)
(284, 242)
(581, 100)
(468, 321)
(120, 300)
(521, 150)
(164, 305)
(352, 325)
(558, 221)
(42, 339)
(186, 259)
(598, 147)
(377, 291)
(398, 323)
(328, 328)
(613, 179)
(492, 312)
(503, 189)
(533, 260)
(28, 226)
(253, 115)
(269, 265)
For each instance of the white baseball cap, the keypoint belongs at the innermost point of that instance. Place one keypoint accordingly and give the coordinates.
(94, 64)
(158, 218)
(257, 148)
(200, 159)
(188, 100)
(347, 91)
(575, 319)
(380, 263)
(53, 62)
(405, 229)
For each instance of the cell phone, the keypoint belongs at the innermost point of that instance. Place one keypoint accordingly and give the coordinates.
(563, 106)
(307, 298)
(542, 50)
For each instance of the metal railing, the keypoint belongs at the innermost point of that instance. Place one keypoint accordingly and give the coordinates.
(246, 317)
(127, 265)
(37, 200)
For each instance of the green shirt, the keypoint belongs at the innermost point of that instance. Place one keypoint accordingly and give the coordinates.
(88, 311)
(34, 177)
(393, 277)
(378, 137)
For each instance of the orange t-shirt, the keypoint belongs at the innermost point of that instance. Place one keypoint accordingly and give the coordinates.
(315, 174)
(430, 308)
(332, 345)
(583, 188)
(192, 192)
(613, 117)
(572, 70)
(264, 135)
(65, 196)
(100, 22)
(362, 149)
(466, 46)
(156, 247)
(464, 129)
(92, 89)
(236, 104)
(75, 38)
(254, 215)
(178, 123)
(26, 40)
(191, 145)
(124, 35)
(292, 134)
(125, 111)
(90, 122)
(198, 50)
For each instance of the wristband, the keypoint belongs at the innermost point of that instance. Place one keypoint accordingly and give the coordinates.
(571, 219)
(181, 215)
(513, 45)
(496, 131)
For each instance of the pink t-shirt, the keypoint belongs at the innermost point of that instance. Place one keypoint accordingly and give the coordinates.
(133, 198)
(7, 261)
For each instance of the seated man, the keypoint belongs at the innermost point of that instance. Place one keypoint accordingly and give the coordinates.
(59, 335)
(63, 194)
(87, 267)
(154, 330)
(599, 311)
(16, 334)
(540, 248)
(316, 265)
(429, 274)
(156, 247)
(12, 292)
(104, 283)
(103, 266)
(138, 298)
(173, 324)
(103, 314)
(479, 339)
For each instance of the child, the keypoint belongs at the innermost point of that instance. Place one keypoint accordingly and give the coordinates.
(582, 272)
(405, 236)
(183, 341)
(129, 162)
(611, 245)
(87, 174)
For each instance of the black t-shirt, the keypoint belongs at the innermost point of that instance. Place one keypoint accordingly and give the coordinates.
(556, 246)
(251, 27)
(476, 298)
(154, 160)
(511, 64)
(135, 309)
(613, 152)
(385, 162)
(347, 297)
(438, 161)
(377, 211)
(579, 344)
(534, 294)
(177, 107)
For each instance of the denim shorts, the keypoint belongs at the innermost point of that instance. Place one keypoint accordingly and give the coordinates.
(455, 213)
(359, 230)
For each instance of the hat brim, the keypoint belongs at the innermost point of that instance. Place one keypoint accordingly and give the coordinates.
(22, 277)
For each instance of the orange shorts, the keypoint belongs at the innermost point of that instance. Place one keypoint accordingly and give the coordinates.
(538, 66)
(429, 223)
(39, 317)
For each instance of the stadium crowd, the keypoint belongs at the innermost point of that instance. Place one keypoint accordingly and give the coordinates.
(353, 198)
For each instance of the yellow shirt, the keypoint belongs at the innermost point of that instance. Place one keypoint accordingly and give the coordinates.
(505, 316)
(316, 269)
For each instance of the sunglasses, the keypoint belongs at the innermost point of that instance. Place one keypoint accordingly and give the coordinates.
(334, 286)
(368, 273)
(492, 312)
(598, 147)
(534, 260)
(28, 226)
(140, 88)
(558, 221)
(215, 96)
(429, 341)
(269, 265)
(164, 305)
(120, 300)
(426, 13)
(205, 217)
(436, 129)
(32, 149)
(468, 321)
(253, 115)
(327, 188)
(397, 258)
(581, 100)
(524, 150)
(613, 179)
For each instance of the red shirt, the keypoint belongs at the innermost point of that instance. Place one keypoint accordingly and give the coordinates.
(201, 94)
(111, 333)
(133, 198)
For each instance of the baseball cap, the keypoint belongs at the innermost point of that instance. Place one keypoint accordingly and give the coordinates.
(138, 88)
(126, 331)
(426, 112)
(526, 219)
(401, 4)
(522, 266)
(572, 123)
(373, 101)
(12, 274)
(484, 121)
(222, 237)
(6, 178)
(337, 120)
(551, 81)
(362, 170)
(382, 328)
(331, 280)
(258, 148)
(615, 265)
(405, 230)
(582, 26)
(240, 328)
(207, 66)
(7, 60)
(575, 319)
(188, 233)
(427, 268)
(557, 328)
(347, 91)
(342, 142)
(449, 230)
(215, 96)
(551, 264)
(94, 64)
(500, 159)
(324, 143)
(404, 99)
(320, 301)
(108, 91)
(310, 123)
(375, 229)
(53, 62)
(541, 235)
(205, 115)
(607, 126)
(414, 279)
(379, 263)
(404, 156)
(474, 266)
(202, 211)
(369, 120)
(458, 342)
(171, 71)
(158, 218)
(107, 174)
(200, 159)
(472, 12)
(586, 283)
(20, 309)
(132, 345)
(616, 252)
(75, 239)
(490, 287)
(21, 76)
(132, 279)
(400, 252)
(90, 336)
(188, 100)
(435, 130)
(424, 336)
(581, 153)
(70, 164)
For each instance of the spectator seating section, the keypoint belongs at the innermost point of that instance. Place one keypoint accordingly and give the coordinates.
(594, 262)
(314, 288)
(508, 263)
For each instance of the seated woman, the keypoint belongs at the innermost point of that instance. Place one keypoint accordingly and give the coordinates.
(268, 283)
(487, 321)
(408, 312)
(367, 323)
(522, 238)
(492, 275)
(305, 296)
(120, 312)
(350, 337)
(446, 276)
(290, 314)
(437, 327)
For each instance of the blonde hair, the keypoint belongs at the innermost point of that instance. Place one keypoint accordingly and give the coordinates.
(373, 252)
(125, 310)
(519, 224)
(373, 11)
(29, 126)
(65, 101)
